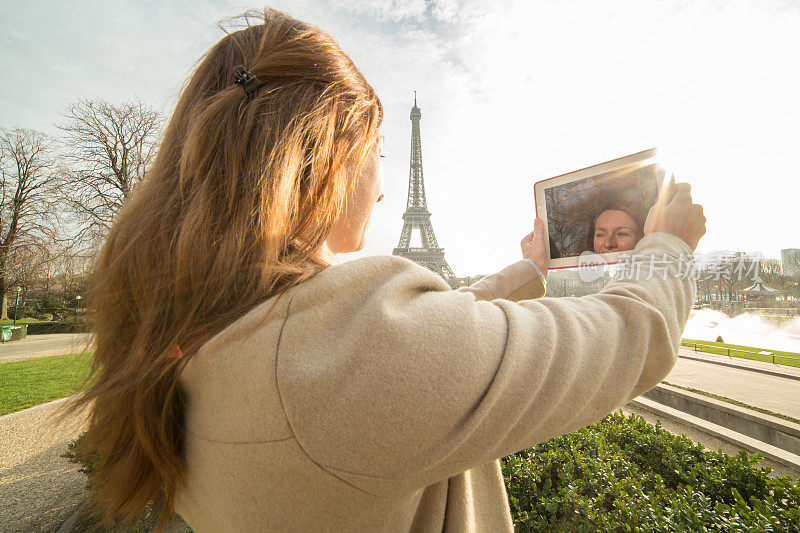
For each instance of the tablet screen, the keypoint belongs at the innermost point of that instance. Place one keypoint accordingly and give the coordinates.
(603, 213)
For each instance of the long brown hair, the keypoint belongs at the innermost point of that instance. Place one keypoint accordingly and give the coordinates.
(241, 195)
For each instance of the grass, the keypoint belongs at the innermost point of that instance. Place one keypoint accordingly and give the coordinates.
(735, 402)
(721, 348)
(10, 321)
(32, 382)
(777, 320)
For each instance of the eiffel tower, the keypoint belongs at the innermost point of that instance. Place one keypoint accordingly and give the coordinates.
(430, 255)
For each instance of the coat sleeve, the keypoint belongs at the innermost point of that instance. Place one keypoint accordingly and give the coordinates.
(518, 281)
(406, 382)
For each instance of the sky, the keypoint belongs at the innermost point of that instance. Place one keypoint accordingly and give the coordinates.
(511, 92)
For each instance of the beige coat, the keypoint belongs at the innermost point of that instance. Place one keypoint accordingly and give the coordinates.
(375, 398)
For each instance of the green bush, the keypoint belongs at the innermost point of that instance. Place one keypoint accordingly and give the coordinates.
(87, 462)
(39, 328)
(52, 305)
(623, 474)
(145, 521)
(23, 313)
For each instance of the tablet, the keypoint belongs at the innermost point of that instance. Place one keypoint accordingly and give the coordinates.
(595, 215)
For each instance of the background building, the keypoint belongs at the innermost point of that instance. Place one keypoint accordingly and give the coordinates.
(790, 262)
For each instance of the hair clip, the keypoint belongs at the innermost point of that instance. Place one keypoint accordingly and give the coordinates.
(243, 77)
(175, 352)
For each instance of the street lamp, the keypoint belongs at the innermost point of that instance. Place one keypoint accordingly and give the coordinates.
(78, 297)
(16, 305)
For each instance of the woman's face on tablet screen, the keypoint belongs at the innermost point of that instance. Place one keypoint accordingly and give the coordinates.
(615, 231)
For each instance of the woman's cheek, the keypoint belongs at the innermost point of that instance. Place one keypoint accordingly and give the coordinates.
(630, 243)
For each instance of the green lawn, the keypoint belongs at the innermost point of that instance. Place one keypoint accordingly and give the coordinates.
(778, 320)
(31, 382)
(721, 348)
(10, 321)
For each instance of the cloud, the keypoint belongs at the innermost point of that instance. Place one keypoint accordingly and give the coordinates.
(446, 10)
(393, 10)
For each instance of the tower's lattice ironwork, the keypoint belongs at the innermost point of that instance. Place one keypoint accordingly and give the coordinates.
(417, 216)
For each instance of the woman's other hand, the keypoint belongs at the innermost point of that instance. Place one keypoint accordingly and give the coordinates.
(534, 246)
(675, 213)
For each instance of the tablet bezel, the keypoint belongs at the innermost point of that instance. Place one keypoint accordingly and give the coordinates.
(643, 158)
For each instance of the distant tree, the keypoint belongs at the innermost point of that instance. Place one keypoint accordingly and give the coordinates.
(51, 305)
(705, 288)
(744, 269)
(109, 148)
(27, 267)
(71, 273)
(770, 272)
(726, 274)
(566, 225)
(29, 200)
(558, 286)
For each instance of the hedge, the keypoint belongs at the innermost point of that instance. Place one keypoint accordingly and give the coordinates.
(623, 474)
(38, 328)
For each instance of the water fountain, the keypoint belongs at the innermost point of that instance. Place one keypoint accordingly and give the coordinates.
(745, 329)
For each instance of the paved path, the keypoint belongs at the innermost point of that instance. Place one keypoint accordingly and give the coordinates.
(38, 488)
(785, 369)
(42, 345)
(775, 393)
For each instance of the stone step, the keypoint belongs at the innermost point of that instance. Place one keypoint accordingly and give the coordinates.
(766, 428)
(750, 444)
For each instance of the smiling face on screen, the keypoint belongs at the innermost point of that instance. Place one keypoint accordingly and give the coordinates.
(615, 231)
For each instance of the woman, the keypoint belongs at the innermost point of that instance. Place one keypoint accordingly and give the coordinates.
(252, 386)
(614, 229)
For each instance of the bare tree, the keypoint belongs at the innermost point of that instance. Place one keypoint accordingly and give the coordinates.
(567, 224)
(109, 148)
(770, 272)
(27, 266)
(726, 274)
(29, 194)
(741, 271)
(705, 288)
(71, 271)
